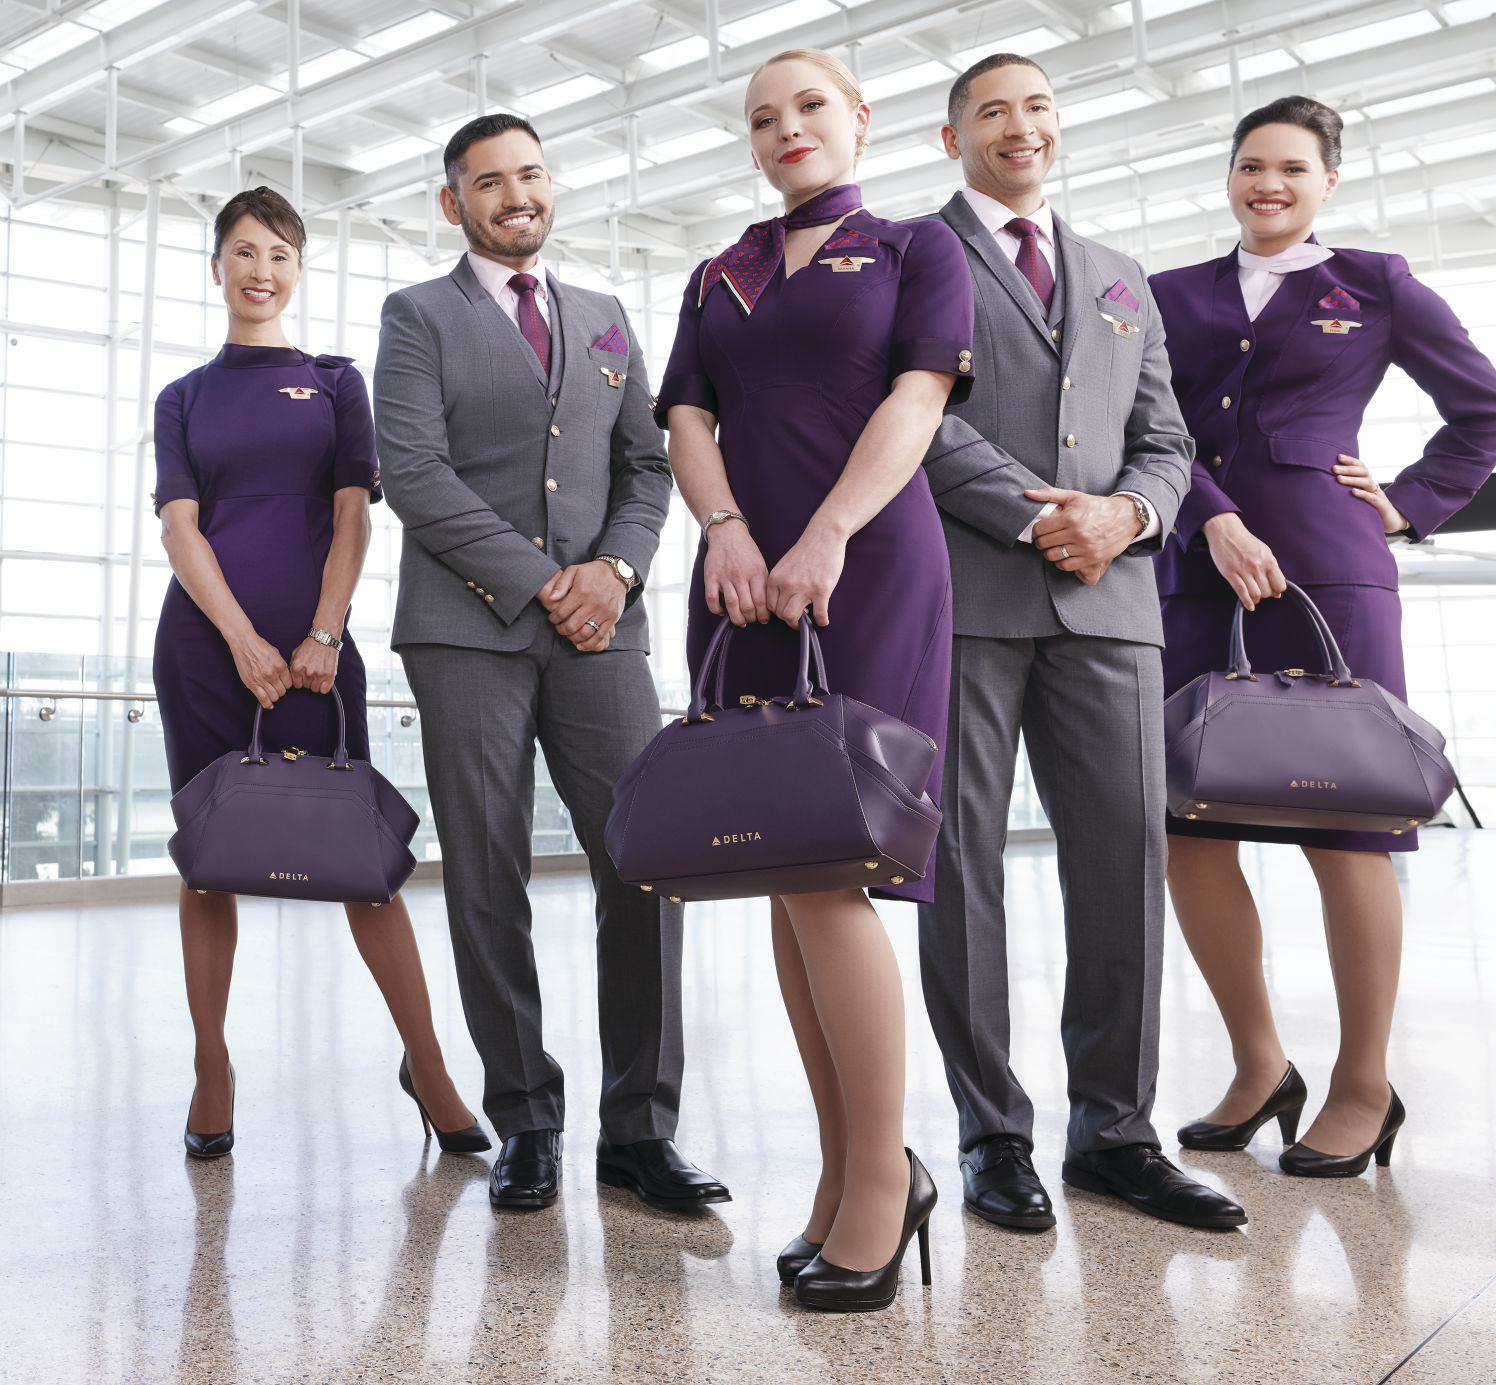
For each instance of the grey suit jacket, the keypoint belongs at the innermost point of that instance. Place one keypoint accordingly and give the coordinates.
(1065, 402)
(501, 476)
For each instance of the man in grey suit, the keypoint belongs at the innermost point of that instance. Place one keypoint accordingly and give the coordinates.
(517, 447)
(1054, 480)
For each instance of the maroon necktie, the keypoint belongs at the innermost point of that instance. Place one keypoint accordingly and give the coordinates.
(1031, 264)
(531, 325)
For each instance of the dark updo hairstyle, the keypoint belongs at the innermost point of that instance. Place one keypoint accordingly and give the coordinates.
(267, 207)
(1303, 111)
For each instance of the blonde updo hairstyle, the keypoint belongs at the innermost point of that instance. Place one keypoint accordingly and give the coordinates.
(840, 74)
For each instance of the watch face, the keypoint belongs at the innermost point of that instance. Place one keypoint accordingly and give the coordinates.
(625, 570)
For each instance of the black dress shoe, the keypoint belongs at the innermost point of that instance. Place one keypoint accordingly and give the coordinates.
(1310, 1163)
(795, 1257)
(214, 1146)
(528, 1171)
(836, 1290)
(659, 1173)
(1286, 1102)
(1001, 1185)
(1140, 1175)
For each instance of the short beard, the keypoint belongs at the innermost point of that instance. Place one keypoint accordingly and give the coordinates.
(483, 239)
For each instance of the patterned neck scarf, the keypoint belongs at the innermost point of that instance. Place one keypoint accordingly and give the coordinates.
(746, 267)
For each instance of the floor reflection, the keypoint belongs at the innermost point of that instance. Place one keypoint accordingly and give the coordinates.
(334, 1246)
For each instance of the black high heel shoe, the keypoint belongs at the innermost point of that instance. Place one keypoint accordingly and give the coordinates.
(824, 1285)
(213, 1146)
(1286, 1102)
(795, 1257)
(1303, 1162)
(469, 1141)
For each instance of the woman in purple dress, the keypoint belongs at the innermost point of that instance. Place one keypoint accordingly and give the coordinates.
(809, 372)
(265, 470)
(1276, 350)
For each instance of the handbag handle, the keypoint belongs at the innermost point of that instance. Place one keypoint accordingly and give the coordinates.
(811, 676)
(339, 756)
(1335, 668)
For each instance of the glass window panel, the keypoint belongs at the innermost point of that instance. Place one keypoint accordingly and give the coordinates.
(44, 252)
(43, 528)
(47, 416)
(33, 300)
(47, 363)
(35, 586)
(51, 473)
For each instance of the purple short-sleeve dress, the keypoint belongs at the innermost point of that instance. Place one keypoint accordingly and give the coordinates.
(793, 384)
(261, 437)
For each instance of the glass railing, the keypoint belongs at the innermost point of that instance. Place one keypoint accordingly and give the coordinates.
(86, 794)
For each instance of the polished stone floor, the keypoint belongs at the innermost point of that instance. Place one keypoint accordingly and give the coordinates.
(332, 1247)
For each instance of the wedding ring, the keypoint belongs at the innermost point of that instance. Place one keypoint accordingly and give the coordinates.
(594, 625)
(1064, 551)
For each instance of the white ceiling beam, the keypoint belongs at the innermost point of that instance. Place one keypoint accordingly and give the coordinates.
(156, 31)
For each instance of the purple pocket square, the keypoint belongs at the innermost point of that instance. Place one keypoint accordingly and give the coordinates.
(612, 340)
(1120, 293)
(1338, 299)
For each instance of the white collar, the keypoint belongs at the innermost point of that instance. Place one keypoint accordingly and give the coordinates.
(995, 217)
(1300, 256)
(495, 276)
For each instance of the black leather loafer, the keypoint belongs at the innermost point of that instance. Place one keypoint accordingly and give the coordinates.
(1000, 1184)
(659, 1173)
(1143, 1178)
(528, 1171)
(795, 1257)
(1286, 1102)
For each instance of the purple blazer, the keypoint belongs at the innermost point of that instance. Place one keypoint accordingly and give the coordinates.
(1270, 403)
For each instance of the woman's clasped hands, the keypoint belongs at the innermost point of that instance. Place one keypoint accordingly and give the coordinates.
(738, 581)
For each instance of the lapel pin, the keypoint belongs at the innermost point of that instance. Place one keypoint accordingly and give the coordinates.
(1333, 325)
(296, 391)
(847, 264)
(615, 377)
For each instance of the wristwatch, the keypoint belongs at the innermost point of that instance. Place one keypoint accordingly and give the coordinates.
(721, 517)
(324, 637)
(624, 570)
(1145, 517)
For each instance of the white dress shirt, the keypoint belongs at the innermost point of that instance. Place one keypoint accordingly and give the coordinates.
(995, 217)
(1260, 275)
(495, 279)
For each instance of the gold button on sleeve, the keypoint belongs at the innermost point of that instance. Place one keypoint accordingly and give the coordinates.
(550, 483)
(488, 598)
(473, 585)
(963, 355)
(964, 367)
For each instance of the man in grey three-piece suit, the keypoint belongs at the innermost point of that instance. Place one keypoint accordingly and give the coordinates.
(517, 447)
(1055, 480)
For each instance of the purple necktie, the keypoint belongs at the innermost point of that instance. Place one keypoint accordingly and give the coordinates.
(531, 325)
(1031, 264)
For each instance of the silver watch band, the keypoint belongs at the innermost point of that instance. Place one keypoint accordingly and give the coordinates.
(325, 637)
(721, 517)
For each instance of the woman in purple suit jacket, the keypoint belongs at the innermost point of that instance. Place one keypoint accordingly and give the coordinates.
(1276, 350)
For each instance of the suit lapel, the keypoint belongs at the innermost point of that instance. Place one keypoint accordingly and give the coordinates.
(958, 215)
(568, 333)
(1079, 289)
(500, 329)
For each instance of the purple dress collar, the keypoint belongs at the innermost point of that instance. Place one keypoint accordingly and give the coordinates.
(233, 356)
(747, 266)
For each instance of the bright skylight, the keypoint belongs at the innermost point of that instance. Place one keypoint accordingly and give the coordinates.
(776, 20)
(1100, 107)
(388, 155)
(111, 13)
(180, 125)
(1460, 91)
(690, 49)
(906, 79)
(876, 165)
(616, 166)
(683, 146)
(1404, 26)
(564, 93)
(236, 103)
(48, 44)
(1028, 42)
(1252, 67)
(328, 64)
(408, 31)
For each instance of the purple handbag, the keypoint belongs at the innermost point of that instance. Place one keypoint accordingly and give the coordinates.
(285, 827)
(1301, 750)
(786, 796)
